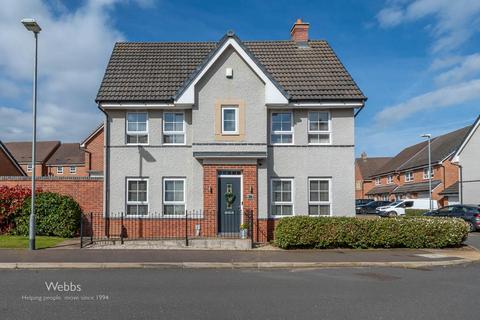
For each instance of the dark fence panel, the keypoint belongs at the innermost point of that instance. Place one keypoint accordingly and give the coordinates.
(195, 224)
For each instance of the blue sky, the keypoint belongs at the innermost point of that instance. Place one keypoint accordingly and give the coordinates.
(418, 61)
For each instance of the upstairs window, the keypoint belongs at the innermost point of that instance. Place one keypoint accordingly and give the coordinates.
(426, 174)
(230, 120)
(137, 128)
(319, 127)
(377, 181)
(137, 196)
(282, 128)
(390, 179)
(174, 197)
(29, 168)
(73, 170)
(59, 170)
(408, 176)
(173, 128)
(282, 199)
(319, 200)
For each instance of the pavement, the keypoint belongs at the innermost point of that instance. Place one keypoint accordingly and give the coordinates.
(328, 294)
(127, 258)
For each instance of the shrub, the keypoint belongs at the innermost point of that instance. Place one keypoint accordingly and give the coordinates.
(56, 215)
(343, 232)
(415, 212)
(11, 200)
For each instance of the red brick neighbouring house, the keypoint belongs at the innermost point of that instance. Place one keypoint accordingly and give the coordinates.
(22, 152)
(8, 164)
(364, 168)
(406, 175)
(93, 146)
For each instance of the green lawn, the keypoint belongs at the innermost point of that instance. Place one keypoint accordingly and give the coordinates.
(19, 242)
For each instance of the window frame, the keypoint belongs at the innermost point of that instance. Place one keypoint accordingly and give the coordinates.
(127, 202)
(166, 132)
(273, 203)
(425, 173)
(29, 168)
(165, 202)
(317, 203)
(58, 170)
(410, 176)
(276, 132)
(329, 131)
(137, 133)
(237, 122)
(74, 171)
(390, 179)
(378, 181)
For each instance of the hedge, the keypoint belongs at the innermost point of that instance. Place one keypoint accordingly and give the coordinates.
(415, 212)
(56, 215)
(11, 200)
(343, 232)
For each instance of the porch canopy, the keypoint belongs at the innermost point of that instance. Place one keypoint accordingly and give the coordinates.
(416, 187)
(382, 189)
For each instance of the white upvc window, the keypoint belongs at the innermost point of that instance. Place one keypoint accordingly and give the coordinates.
(282, 197)
(281, 128)
(408, 176)
(426, 173)
(319, 127)
(137, 128)
(29, 168)
(137, 196)
(174, 128)
(377, 181)
(73, 170)
(319, 197)
(174, 196)
(389, 179)
(59, 170)
(229, 120)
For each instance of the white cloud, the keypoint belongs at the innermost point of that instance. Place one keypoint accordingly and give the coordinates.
(468, 68)
(455, 20)
(73, 51)
(440, 98)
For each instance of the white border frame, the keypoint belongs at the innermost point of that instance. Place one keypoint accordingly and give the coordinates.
(237, 122)
(272, 203)
(70, 170)
(165, 132)
(59, 171)
(126, 215)
(319, 203)
(426, 177)
(31, 168)
(164, 202)
(329, 132)
(378, 181)
(292, 130)
(137, 133)
(388, 178)
(241, 191)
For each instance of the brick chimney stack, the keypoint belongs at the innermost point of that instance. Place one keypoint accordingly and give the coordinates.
(364, 156)
(299, 31)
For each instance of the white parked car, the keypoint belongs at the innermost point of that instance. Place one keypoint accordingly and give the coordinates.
(397, 208)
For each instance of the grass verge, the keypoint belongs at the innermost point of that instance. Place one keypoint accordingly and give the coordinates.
(21, 242)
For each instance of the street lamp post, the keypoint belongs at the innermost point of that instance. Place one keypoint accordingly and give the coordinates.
(429, 137)
(32, 25)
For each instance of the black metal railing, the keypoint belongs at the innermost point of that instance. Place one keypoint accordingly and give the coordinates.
(194, 224)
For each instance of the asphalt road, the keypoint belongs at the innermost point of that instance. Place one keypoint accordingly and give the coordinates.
(474, 240)
(441, 293)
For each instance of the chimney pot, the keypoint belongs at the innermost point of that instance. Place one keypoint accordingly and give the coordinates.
(299, 31)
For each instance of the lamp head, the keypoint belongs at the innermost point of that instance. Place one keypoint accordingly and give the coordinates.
(31, 25)
(426, 135)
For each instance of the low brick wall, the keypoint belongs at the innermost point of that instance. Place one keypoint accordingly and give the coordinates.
(88, 192)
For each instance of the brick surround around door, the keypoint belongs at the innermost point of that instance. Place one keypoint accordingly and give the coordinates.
(210, 189)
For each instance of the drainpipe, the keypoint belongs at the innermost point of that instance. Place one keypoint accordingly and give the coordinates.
(106, 166)
(460, 181)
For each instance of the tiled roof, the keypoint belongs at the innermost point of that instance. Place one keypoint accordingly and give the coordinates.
(22, 151)
(382, 189)
(452, 189)
(417, 187)
(67, 153)
(369, 165)
(154, 71)
(417, 155)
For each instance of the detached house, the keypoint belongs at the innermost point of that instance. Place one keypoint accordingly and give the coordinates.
(229, 126)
